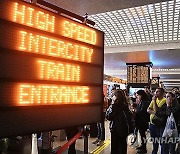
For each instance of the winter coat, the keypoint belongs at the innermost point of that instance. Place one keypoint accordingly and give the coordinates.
(120, 119)
(142, 117)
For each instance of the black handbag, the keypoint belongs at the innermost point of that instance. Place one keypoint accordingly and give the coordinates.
(160, 117)
(159, 120)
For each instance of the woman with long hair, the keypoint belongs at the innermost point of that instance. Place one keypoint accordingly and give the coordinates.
(120, 123)
(142, 118)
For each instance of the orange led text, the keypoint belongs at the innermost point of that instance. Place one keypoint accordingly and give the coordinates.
(38, 19)
(79, 32)
(30, 17)
(58, 71)
(47, 95)
(39, 44)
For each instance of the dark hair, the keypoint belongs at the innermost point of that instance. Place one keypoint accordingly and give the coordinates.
(113, 88)
(121, 98)
(171, 94)
(175, 87)
(175, 101)
(162, 90)
(143, 94)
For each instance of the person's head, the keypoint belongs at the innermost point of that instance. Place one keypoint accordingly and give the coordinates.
(175, 90)
(126, 92)
(170, 97)
(120, 96)
(159, 93)
(141, 95)
(113, 90)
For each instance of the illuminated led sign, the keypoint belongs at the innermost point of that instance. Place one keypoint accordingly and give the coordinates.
(47, 62)
(58, 71)
(138, 73)
(30, 94)
(51, 45)
(30, 17)
(44, 21)
(47, 21)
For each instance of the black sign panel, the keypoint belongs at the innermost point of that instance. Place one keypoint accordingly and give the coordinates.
(138, 73)
(51, 70)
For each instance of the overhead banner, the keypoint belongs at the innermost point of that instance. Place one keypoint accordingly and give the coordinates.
(51, 69)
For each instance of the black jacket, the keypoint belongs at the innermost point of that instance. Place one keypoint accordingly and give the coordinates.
(142, 117)
(120, 119)
(175, 109)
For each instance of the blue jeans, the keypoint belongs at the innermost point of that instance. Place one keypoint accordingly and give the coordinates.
(156, 135)
(101, 131)
(171, 148)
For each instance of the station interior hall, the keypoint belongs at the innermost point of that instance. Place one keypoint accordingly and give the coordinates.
(136, 32)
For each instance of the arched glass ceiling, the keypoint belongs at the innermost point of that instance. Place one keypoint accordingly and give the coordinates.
(145, 24)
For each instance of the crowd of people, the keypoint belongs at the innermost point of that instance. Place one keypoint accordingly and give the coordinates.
(146, 112)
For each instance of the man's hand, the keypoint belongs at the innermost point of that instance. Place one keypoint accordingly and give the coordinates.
(154, 98)
(150, 111)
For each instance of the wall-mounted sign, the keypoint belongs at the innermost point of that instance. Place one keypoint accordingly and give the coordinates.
(138, 73)
(51, 69)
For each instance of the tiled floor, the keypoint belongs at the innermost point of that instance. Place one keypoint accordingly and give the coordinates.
(92, 147)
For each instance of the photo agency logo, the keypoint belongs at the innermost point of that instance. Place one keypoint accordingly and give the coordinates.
(162, 140)
(133, 139)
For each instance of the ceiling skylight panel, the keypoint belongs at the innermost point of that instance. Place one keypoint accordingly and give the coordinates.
(170, 8)
(157, 5)
(175, 38)
(144, 8)
(178, 37)
(120, 20)
(171, 2)
(114, 12)
(139, 9)
(142, 37)
(148, 23)
(158, 11)
(164, 5)
(161, 39)
(112, 17)
(150, 8)
(146, 14)
(164, 15)
(128, 13)
(145, 24)
(123, 15)
(176, 14)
